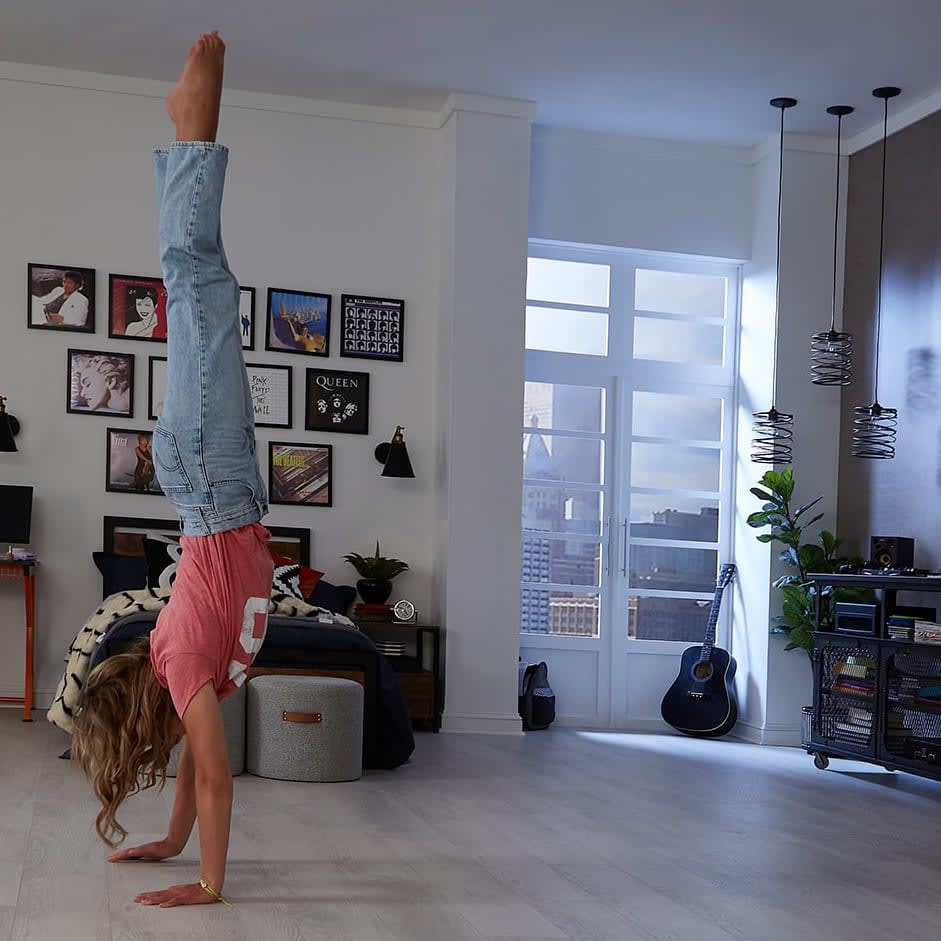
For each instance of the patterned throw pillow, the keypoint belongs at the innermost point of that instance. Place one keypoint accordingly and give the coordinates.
(287, 580)
(307, 577)
(163, 557)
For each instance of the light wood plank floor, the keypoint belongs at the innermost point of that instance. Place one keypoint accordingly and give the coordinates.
(556, 835)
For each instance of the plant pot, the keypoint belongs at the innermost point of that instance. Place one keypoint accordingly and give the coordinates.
(374, 590)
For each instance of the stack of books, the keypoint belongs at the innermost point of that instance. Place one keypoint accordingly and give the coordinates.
(372, 612)
(854, 676)
(927, 632)
(856, 726)
(901, 628)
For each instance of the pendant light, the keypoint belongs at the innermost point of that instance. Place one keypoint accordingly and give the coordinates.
(773, 430)
(874, 427)
(831, 351)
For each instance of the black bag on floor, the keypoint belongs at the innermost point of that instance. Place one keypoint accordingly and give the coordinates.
(536, 699)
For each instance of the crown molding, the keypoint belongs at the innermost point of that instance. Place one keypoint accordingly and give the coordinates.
(897, 121)
(486, 104)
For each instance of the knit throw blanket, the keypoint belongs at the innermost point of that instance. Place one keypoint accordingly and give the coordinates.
(69, 692)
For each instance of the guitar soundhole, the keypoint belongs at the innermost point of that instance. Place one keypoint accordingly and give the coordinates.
(702, 671)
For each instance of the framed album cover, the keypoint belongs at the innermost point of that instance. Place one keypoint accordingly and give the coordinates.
(156, 385)
(129, 465)
(137, 308)
(337, 401)
(372, 328)
(271, 394)
(99, 383)
(298, 322)
(61, 298)
(247, 317)
(300, 474)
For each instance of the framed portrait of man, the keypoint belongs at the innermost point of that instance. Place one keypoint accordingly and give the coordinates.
(61, 298)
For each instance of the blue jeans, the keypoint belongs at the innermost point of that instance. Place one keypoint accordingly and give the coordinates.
(204, 440)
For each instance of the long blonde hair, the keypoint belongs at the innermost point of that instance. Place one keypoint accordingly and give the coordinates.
(123, 733)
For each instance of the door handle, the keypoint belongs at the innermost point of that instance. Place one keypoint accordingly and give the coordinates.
(612, 529)
(624, 549)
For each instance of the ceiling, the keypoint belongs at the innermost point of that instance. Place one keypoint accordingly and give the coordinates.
(691, 70)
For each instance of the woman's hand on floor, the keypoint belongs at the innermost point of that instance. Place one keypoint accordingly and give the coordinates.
(192, 894)
(149, 852)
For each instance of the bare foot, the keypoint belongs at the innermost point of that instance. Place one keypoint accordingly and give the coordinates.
(193, 105)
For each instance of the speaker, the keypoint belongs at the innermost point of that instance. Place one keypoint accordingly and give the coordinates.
(897, 552)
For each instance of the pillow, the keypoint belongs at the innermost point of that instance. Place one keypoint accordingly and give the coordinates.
(121, 572)
(163, 556)
(335, 598)
(287, 580)
(308, 577)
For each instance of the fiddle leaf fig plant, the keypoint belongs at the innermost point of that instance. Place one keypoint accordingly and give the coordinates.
(786, 526)
(376, 566)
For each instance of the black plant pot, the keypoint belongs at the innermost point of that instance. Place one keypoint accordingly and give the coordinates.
(374, 590)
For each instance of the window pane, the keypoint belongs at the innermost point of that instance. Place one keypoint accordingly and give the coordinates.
(556, 457)
(674, 341)
(566, 331)
(667, 619)
(677, 292)
(552, 509)
(565, 408)
(674, 468)
(563, 561)
(567, 282)
(665, 516)
(559, 612)
(668, 568)
(658, 414)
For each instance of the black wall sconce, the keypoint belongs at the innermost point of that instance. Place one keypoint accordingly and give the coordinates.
(393, 455)
(9, 428)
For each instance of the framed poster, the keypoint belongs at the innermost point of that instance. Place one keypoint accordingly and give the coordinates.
(156, 386)
(337, 401)
(298, 322)
(372, 328)
(99, 383)
(129, 465)
(61, 298)
(300, 474)
(247, 317)
(137, 308)
(271, 394)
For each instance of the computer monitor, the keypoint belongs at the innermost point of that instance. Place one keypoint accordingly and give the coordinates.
(16, 511)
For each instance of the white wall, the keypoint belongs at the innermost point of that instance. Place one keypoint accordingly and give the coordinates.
(330, 204)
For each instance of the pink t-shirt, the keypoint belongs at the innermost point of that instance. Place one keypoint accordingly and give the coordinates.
(216, 618)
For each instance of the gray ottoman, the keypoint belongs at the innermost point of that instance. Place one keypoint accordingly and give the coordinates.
(233, 721)
(304, 728)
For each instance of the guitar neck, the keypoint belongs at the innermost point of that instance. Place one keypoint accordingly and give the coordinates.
(710, 639)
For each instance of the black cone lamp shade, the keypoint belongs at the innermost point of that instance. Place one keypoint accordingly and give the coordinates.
(773, 431)
(874, 425)
(393, 455)
(9, 428)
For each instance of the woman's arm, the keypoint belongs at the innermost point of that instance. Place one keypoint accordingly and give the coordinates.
(184, 804)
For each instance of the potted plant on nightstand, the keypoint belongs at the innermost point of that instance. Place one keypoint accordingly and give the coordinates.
(376, 573)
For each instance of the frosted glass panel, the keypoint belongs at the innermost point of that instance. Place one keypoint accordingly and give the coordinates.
(568, 282)
(677, 292)
(672, 341)
(674, 468)
(566, 331)
(659, 414)
(563, 407)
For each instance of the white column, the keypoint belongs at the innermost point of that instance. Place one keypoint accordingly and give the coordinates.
(484, 179)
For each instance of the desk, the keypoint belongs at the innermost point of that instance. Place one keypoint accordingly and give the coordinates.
(15, 568)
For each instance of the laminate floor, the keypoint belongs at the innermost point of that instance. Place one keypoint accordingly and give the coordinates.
(555, 835)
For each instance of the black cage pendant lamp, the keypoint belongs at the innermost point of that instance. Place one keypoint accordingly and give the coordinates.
(773, 431)
(875, 426)
(831, 351)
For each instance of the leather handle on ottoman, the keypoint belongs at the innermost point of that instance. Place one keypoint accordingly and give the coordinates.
(308, 717)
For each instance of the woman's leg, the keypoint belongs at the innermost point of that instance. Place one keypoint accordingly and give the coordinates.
(204, 442)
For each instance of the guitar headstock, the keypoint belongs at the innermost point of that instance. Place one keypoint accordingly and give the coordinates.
(726, 574)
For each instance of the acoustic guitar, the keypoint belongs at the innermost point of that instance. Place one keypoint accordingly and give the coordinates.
(702, 700)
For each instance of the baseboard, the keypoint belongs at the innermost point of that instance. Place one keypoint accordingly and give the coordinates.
(488, 725)
(784, 735)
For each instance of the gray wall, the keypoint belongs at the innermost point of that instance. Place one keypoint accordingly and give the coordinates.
(900, 496)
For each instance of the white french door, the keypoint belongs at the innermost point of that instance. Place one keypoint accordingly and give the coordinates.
(627, 441)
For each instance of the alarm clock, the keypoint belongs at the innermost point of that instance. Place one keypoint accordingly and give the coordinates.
(404, 612)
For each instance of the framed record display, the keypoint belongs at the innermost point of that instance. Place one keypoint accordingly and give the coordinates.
(372, 328)
(337, 401)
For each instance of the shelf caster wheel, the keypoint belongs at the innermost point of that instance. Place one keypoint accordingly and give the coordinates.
(821, 761)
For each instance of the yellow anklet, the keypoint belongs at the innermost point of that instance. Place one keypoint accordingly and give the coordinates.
(213, 894)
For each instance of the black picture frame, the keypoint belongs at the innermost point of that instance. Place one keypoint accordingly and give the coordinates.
(152, 382)
(104, 369)
(372, 328)
(247, 311)
(125, 288)
(262, 408)
(43, 277)
(282, 483)
(123, 535)
(336, 401)
(121, 456)
(280, 333)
